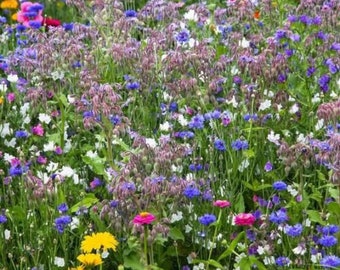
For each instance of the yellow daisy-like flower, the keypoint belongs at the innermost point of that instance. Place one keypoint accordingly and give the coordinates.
(9, 4)
(77, 268)
(90, 259)
(1, 100)
(15, 16)
(98, 241)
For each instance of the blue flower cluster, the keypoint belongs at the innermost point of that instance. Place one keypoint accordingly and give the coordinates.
(207, 219)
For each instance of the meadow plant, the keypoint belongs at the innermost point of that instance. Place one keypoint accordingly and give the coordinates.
(169, 134)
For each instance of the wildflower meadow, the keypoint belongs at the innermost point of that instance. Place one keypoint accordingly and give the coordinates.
(169, 135)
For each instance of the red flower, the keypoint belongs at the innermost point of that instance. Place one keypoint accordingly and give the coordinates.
(51, 22)
(144, 218)
(244, 219)
(222, 203)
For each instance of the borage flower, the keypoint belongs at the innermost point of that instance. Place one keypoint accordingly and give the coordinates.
(144, 218)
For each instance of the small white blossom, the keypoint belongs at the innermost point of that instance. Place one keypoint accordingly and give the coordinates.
(151, 142)
(316, 98)
(58, 261)
(265, 105)
(13, 78)
(165, 126)
(319, 125)
(292, 190)
(294, 109)
(24, 109)
(176, 217)
(50, 146)
(269, 260)
(44, 118)
(244, 165)
(11, 143)
(191, 15)
(244, 43)
(182, 121)
(274, 138)
(7, 234)
(5, 130)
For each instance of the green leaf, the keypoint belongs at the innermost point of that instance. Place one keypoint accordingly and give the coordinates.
(133, 261)
(239, 204)
(63, 100)
(232, 246)
(245, 263)
(321, 176)
(255, 261)
(210, 262)
(96, 164)
(334, 208)
(334, 193)
(315, 217)
(249, 153)
(87, 202)
(176, 234)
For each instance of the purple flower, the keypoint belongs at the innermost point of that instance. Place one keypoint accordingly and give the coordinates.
(328, 241)
(283, 261)
(330, 261)
(132, 86)
(321, 35)
(63, 208)
(335, 46)
(330, 229)
(306, 19)
(220, 145)
(268, 166)
(191, 192)
(280, 186)
(3, 219)
(21, 134)
(294, 231)
(185, 134)
(207, 219)
(183, 36)
(279, 216)
(197, 122)
(280, 34)
(310, 71)
(95, 183)
(130, 13)
(239, 145)
(61, 222)
(251, 235)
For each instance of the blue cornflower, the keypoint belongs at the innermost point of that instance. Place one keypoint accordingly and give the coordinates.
(317, 20)
(324, 81)
(220, 145)
(21, 134)
(280, 186)
(306, 19)
(185, 134)
(283, 261)
(207, 219)
(183, 36)
(132, 85)
(310, 71)
(280, 34)
(3, 20)
(68, 26)
(330, 261)
(130, 13)
(279, 216)
(35, 24)
(216, 114)
(173, 107)
(328, 241)
(36, 7)
(16, 170)
(321, 35)
(61, 222)
(88, 114)
(251, 235)
(114, 203)
(3, 219)
(330, 229)
(276, 199)
(239, 145)
(207, 195)
(115, 119)
(197, 122)
(294, 231)
(191, 192)
(63, 208)
(335, 46)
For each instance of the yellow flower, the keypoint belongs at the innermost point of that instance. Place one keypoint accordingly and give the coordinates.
(1, 100)
(98, 241)
(15, 16)
(9, 4)
(90, 259)
(77, 268)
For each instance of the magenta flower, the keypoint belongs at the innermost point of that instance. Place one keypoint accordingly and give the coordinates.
(222, 203)
(244, 219)
(144, 218)
(38, 130)
(30, 13)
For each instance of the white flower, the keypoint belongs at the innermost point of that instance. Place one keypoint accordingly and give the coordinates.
(50, 146)
(268, 93)
(57, 75)
(165, 126)
(319, 124)
(7, 234)
(5, 130)
(74, 223)
(43, 176)
(44, 118)
(292, 190)
(191, 15)
(24, 109)
(274, 138)
(182, 121)
(11, 143)
(301, 138)
(299, 250)
(269, 260)
(232, 102)
(176, 216)
(244, 164)
(3, 87)
(316, 258)
(308, 222)
(188, 228)
(105, 254)
(244, 43)
(13, 78)
(58, 261)
(8, 157)
(265, 105)
(52, 167)
(92, 154)
(66, 171)
(151, 142)
(294, 109)
(316, 98)
(71, 99)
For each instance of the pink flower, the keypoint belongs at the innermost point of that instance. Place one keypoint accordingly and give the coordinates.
(144, 218)
(222, 203)
(10, 97)
(244, 219)
(30, 12)
(38, 130)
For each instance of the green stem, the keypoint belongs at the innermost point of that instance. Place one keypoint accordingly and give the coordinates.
(214, 236)
(146, 244)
